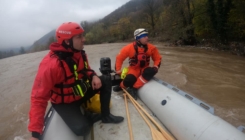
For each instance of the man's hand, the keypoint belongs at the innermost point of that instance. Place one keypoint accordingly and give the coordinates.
(32, 138)
(155, 68)
(96, 82)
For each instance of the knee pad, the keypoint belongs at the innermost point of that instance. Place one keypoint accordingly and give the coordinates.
(116, 79)
(129, 80)
(148, 73)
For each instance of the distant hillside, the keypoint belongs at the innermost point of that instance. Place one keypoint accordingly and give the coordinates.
(15, 50)
(121, 23)
(43, 42)
(129, 9)
(215, 23)
(212, 23)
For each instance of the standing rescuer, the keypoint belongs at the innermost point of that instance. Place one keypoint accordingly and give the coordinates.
(139, 53)
(65, 78)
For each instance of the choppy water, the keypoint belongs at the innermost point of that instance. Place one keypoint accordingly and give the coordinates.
(217, 78)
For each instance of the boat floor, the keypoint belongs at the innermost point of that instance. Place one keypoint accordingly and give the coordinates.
(141, 130)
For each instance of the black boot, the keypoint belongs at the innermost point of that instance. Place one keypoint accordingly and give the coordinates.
(95, 117)
(117, 88)
(92, 117)
(112, 119)
(133, 92)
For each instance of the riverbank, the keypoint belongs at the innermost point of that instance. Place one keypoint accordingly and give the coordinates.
(234, 48)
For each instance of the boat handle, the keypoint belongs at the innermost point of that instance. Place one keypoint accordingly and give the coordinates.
(241, 128)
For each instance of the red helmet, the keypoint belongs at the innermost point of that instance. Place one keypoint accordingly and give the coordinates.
(67, 31)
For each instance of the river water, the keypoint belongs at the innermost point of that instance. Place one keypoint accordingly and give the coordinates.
(217, 78)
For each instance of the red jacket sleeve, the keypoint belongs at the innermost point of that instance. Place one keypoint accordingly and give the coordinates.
(121, 56)
(49, 73)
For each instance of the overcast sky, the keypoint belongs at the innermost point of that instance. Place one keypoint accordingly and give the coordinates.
(24, 21)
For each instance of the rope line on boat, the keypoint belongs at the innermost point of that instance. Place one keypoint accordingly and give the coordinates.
(129, 122)
(156, 135)
(92, 132)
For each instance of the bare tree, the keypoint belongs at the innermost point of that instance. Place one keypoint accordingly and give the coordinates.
(151, 7)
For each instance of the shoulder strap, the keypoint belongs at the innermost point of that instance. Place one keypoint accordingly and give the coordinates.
(84, 59)
(146, 48)
(67, 57)
(136, 48)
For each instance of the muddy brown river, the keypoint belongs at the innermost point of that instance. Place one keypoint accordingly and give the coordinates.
(217, 78)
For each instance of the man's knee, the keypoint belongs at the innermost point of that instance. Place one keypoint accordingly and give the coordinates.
(81, 130)
(148, 73)
(116, 79)
(129, 80)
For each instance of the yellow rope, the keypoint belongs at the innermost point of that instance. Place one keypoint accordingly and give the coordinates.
(155, 134)
(129, 124)
(92, 132)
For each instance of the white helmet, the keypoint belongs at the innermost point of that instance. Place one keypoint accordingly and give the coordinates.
(139, 32)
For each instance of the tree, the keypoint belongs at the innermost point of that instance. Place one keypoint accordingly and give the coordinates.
(203, 26)
(22, 50)
(218, 13)
(189, 17)
(212, 13)
(86, 26)
(177, 19)
(97, 34)
(89, 38)
(124, 28)
(150, 14)
(236, 21)
(216, 20)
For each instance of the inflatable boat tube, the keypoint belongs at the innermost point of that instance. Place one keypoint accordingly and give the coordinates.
(186, 117)
(56, 129)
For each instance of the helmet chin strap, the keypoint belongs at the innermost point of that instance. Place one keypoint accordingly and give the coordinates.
(70, 45)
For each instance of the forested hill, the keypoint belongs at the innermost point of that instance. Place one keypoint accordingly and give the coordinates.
(43, 42)
(189, 21)
(124, 11)
(216, 23)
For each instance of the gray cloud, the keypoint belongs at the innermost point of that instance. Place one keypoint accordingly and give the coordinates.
(25, 21)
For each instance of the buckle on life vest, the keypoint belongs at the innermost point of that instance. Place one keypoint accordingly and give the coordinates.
(140, 60)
